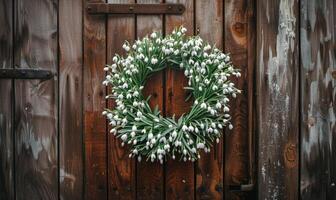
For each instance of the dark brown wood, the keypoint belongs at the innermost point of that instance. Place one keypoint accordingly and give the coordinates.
(6, 103)
(237, 140)
(36, 115)
(95, 136)
(121, 169)
(209, 170)
(277, 99)
(135, 8)
(26, 74)
(180, 175)
(150, 176)
(318, 100)
(71, 100)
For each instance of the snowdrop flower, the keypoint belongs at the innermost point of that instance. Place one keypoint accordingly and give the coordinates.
(230, 126)
(226, 109)
(104, 112)
(203, 105)
(153, 35)
(139, 114)
(132, 134)
(126, 47)
(154, 61)
(174, 134)
(124, 137)
(150, 136)
(135, 104)
(110, 116)
(200, 146)
(218, 105)
(134, 128)
(184, 128)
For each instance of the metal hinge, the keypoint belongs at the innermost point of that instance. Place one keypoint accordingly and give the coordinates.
(135, 8)
(25, 74)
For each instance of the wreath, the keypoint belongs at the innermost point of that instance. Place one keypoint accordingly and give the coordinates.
(146, 131)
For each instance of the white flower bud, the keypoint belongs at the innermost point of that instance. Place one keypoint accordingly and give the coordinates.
(124, 137)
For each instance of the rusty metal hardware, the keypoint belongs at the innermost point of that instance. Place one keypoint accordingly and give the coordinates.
(134, 8)
(25, 74)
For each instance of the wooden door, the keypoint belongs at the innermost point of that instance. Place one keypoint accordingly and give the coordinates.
(227, 24)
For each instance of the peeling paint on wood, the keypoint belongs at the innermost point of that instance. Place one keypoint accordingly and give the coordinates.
(277, 100)
(318, 103)
(6, 103)
(36, 101)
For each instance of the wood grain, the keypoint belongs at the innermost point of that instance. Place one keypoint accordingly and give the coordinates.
(6, 115)
(318, 100)
(150, 176)
(71, 99)
(277, 97)
(121, 169)
(237, 149)
(209, 170)
(95, 136)
(179, 175)
(36, 115)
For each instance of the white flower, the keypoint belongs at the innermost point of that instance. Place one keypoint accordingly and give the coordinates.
(174, 134)
(150, 136)
(184, 128)
(203, 105)
(230, 126)
(135, 103)
(134, 128)
(154, 61)
(200, 146)
(226, 109)
(124, 137)
(196, 102)
(136, 93)
(106, 68)
(217, 140)
(132, 134)
(110, 116)
(139, 114)
(115, 59)
(153, 35)
(183, 30)
(104, 112)
(218, 105)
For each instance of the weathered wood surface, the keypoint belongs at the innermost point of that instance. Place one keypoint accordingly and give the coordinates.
(318, 99)
(210, 168)
(71, 101)
(36, 115)
(121, 169)
(180, 177)
(237, 41)
(277, 98)
(6, 103)
(150, 176)
(95, 137)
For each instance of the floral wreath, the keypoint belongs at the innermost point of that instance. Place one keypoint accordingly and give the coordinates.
(146, 131)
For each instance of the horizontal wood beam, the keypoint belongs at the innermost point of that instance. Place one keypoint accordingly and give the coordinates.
(133, 8)
(25, 74)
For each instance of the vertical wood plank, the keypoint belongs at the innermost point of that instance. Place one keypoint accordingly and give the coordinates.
(94, 103)
(150, 176)
(6, 115)
(36, 114)
(179, 175)
(277, 98)
(209, 170)
(70, 68)
(318, 100)
(121, 169)
(237, 41)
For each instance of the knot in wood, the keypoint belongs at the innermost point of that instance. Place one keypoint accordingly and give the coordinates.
(290, 155)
